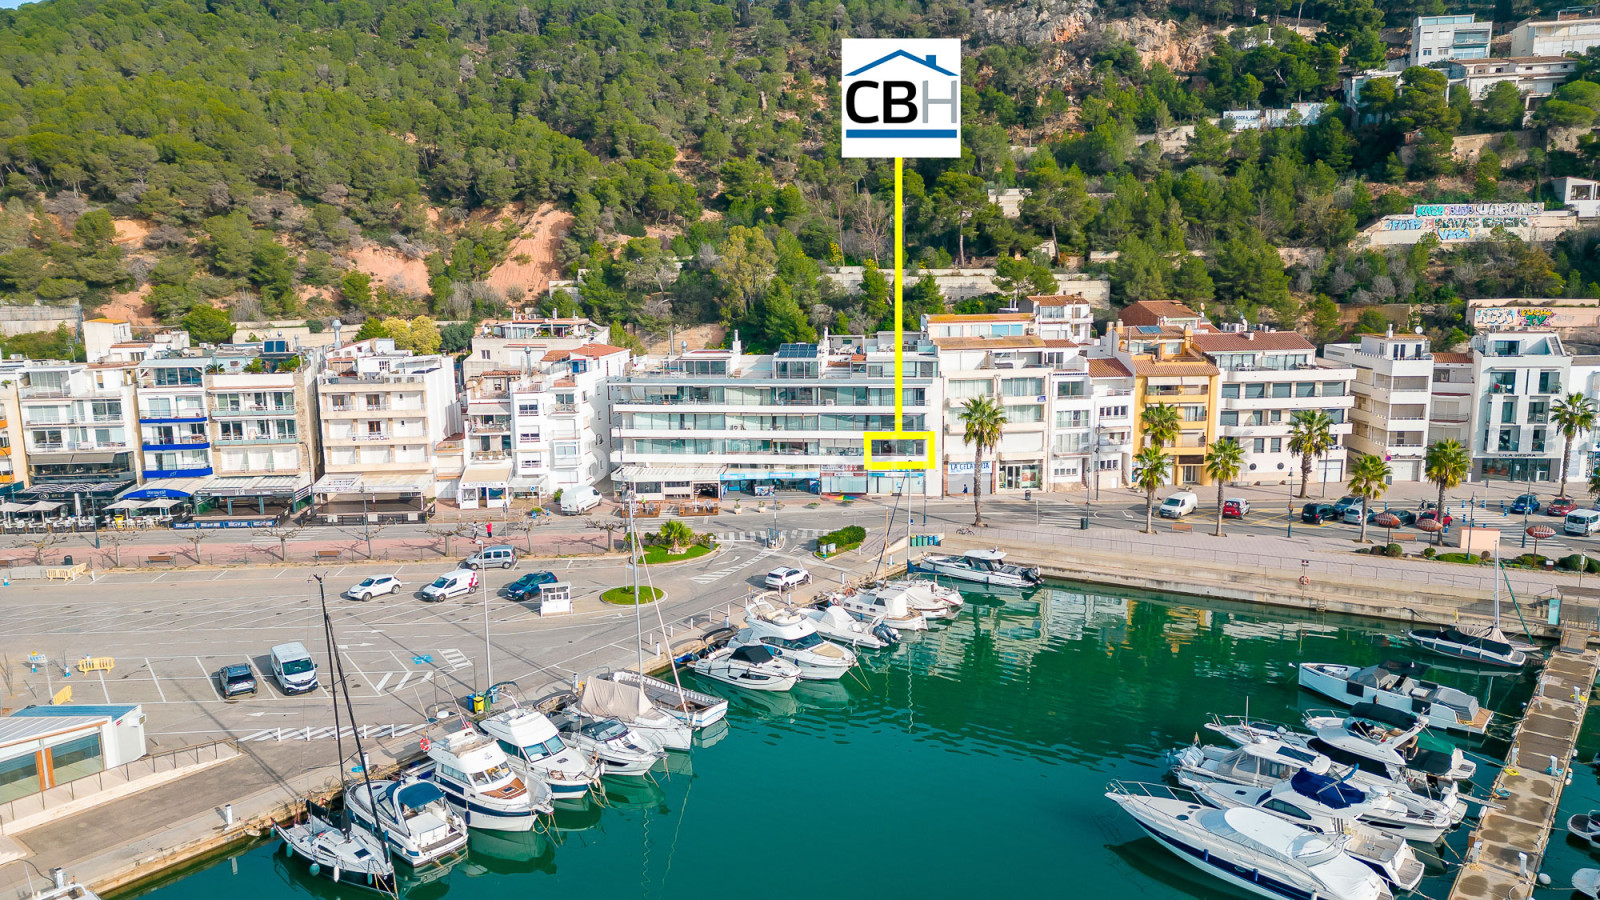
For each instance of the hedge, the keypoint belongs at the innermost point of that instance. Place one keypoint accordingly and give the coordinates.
(850, 534)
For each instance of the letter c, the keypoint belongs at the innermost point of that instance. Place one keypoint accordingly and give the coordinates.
(850, 102)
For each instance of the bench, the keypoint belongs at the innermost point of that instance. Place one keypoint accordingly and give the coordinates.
(329, 554)
(1182, 526)
(1399, 538)
(160, 558)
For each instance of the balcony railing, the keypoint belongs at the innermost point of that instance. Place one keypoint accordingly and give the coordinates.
(490, 455)
(255, 410)
(258, 439)
(35, 392)
(370, 436)
(77, 445)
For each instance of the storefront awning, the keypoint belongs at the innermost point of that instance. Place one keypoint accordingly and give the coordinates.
(762, 475)
(68, 488)
(156, 488)
(481, 477)
(157, 503)
(363, 483)
(291, 486)
(667, 473)
(44, 506)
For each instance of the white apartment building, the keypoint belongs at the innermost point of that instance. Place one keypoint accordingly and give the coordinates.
(502, 345)
(1111, 453)
(1267, 377)
(80, 430)
(1517, 376)
(999, 356)
(1450, 410)
(1438, 38)
(1070, 415)
(264, 436)
(1393, 396)
(1536, 77)
(702, 422)
(1567, 34)
(174, 422)
(383, 411)
(1062, 317)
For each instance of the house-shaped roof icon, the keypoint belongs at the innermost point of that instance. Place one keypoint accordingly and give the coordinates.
(930, 61)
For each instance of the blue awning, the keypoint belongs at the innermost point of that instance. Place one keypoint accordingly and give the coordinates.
(164, 489)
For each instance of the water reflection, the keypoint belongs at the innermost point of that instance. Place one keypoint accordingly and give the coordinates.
(509, 853)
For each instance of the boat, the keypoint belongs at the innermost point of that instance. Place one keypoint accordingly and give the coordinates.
(536, 751)
(627, 703)
(835, 624)
(1587, 882)
(1379, 738)
(1329, 804)
(477, 780)
(64, 890)
(1482, 645)
(412, 815)
(331, 845)
(792, 636)
(693, 708)
(748, 666)
(1585, 826)
(1398, 685)
(935, 601)
(889, 607)
(982, 567)
(1249, 849)
(620, 749)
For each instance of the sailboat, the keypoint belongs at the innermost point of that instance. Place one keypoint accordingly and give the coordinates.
(1476, 644)
(332, 845)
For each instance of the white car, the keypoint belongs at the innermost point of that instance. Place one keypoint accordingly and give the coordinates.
(451, 584)
(374, 586)
(787, 577)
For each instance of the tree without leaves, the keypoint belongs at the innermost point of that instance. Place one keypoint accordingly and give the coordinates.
(283, 534)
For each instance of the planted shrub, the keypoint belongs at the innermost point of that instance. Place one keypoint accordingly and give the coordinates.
(1393, 550)
(850, 534)
(1429, 553)
(1572, 563)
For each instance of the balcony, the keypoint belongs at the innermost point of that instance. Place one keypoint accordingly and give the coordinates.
(258, 439)
(200, 472)
(201, 443)
(490, 455)
(253, 410)
(179, 417)
(370, 436)
(43, 392)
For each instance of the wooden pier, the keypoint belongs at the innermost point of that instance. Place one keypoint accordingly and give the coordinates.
(1507, 848)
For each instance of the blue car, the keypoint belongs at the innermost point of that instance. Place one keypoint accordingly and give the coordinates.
(529, 585)
(1527, 503)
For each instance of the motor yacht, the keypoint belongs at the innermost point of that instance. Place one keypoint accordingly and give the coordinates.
(982, 567)
(1483, 645)
(1398, 685)
(749, 666)
(1382, 739)
(889, 607)
(693, 708)
(793, 637)
(537, 753)
(1249, 849)
(833, 623)
(477, 779)
(413, 817)
(628, 704)
(1328, 804)
(621, 750)
(935, 601)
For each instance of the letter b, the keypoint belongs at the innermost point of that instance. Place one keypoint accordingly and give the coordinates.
(897, 95)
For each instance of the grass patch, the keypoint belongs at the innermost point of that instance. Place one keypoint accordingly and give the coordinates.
(624, 596)
(653, 555)
(842, 548)
(1464, 558)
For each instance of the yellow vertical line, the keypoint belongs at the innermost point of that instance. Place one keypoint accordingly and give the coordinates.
(899, 290)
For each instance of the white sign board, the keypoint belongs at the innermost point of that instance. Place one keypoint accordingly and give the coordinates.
(901, 98)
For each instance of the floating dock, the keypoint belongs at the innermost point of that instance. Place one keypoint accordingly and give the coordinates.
(1508, 846)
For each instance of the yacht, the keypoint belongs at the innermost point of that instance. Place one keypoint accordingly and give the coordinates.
(1379, 738)
(935, 601)
(1249, 849)
(477, 779)
(748, 666)
(1328, 804)
(537, 752)
(413, 817)
(338, 849)
(891, 608)
(983, 567)
(628, 704)
(693, 708)
(833, 623)
(620, 749)
(1398, 685)
(793, 637)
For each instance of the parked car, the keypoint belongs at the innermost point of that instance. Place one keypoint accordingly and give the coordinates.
(374, 586)
(451, 584)
(1317, 513)
(580, 499)
(1407, 517)
(237, 680)
(502, 555)
(1526, 503)
(1179, 505)
(1446, 519)
(1235, 508)
(293, 668)
(1353, 513)
(1345, 502)
(529, 585)
(1582, 522)
(787, 577)
(1560, 506)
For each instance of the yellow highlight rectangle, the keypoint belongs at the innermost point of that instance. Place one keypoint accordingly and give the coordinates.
(900, 465)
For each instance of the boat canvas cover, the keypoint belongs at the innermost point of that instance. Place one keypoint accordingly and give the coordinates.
(1372, 712)
(1486, 644)
(606, 699)
(1327, 790)
(837, 619)
(1431, 762)
(754, 654)
(418, 795)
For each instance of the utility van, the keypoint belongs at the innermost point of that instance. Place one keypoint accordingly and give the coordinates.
(580, 499)
(451, 584)
(501, 555)
(1179, 505)
(1583, 522)
(293, 668)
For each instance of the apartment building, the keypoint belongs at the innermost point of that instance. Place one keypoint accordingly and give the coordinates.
(1001, 357)
(1439, 38)
(702, 422)
(174, 421)
(501, 345)
(1070, 416)
(1517, 376)
(1535, 77)
(1168, 369)
(383, 411)
(1453, 395)
(1111, 453)
(1062, 317)
(1266, 378)
(1393, 398)
(264, 431)
(80, 429)
(1566, 34)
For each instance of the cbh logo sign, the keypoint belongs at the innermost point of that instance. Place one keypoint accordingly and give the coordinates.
(901, 98)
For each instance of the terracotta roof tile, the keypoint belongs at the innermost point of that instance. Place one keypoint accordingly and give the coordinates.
(1160, 367)
(1105, 367)
(597, 350)
(1056, 299)
(1150, 312)
(1014, 342)
(1060, 342)
(1228, 342)
(1449, 357)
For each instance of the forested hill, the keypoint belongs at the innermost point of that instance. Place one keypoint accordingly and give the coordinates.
(259, 148)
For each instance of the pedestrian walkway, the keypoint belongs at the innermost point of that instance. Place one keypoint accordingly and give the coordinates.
(761, 535)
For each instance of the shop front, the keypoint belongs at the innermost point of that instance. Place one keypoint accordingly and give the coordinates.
(354, 498)
(485, 487)
(249, 501)
(1511, 469)
(765, 483)
(669, 482)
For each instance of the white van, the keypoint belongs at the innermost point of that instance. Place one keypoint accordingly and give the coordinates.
(451, 584)
(1179, 505)
(580, 499)
(1582, 522)
(293, 668)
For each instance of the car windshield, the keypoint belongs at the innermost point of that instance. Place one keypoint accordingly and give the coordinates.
(443, 581)
(1172, 501)
(298, 667)
(497, 772)
(367, 582)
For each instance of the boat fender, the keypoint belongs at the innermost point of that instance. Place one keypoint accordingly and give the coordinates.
(426, 744)
(316, 868)
(288, 849)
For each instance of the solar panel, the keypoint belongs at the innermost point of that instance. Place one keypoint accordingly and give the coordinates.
(1149, 329)
(797, 351)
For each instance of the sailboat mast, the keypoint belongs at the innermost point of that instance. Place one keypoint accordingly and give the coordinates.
(344, 690)
(1496, 589)
(338, 728)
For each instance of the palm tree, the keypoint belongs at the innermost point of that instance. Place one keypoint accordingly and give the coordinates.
(984, 421)
(676, 535)
(1160, 424)
(1573, 415)
(1152, 465)
(1446, 464)
(1310, 436)
(1369, 478)
(1223, 462)
(1594, 485)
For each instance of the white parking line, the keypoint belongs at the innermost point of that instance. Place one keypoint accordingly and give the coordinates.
(378, 688)
(103, 688)
(154, 679)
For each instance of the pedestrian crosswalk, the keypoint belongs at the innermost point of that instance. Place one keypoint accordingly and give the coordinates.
(760, 535)
(368, 732)
(705, 578)
(455, 659)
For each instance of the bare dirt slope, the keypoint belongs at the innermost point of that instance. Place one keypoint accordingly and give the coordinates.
(130, 307)
(539, 240)
(698, 338)
(392, 269)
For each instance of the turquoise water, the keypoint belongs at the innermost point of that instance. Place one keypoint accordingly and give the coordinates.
(964, 760)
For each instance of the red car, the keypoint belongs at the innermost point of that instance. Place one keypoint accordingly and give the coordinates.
(1235, 508)
(1434, 514)
(1560, 506)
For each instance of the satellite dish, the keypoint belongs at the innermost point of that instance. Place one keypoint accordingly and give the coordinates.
(1417, 330)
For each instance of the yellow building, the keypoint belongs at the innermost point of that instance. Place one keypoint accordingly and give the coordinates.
(1155, 341)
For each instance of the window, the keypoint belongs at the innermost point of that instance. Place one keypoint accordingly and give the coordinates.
(19, 777)
(1230, 392)
(1506, 348)
(1305, 389)
(1537, 444)
(1282, 389)
(1508, 440)
(1069, 389)
(1277, 445)
(1255, 391)
(1229, 417)
(76, 758)
(1110, 465)
(1072, 418)
(1275, 417)
(485, 354)
(1508, 410)
(967, 389)
(375, 401)
(1021, 387)
(1194, 413)
(1549, 382)
(528, 409)
(1031, 412)
(1260, 445)
(1113, 412)
(1502, 382)
(1333, 389)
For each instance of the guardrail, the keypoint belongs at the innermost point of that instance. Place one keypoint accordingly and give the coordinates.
(24, 809)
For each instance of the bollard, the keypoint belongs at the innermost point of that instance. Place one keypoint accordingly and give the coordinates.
(227, 815)
(1512, 759)
(1522, 864)
(1555, 766)
(366, 761)
(59, 876)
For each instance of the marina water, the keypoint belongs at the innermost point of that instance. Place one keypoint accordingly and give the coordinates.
(966, 760)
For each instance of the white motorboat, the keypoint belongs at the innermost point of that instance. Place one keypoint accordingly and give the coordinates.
(792, 636)
(627, 703)
(750, 666)
(1586, 826)
(477, 780)
(1249, 849)
(1327, 804)
(1387, 853)
(1398, 685)
(982, 567)
(889, 607)
(538, 754)
(1378, 738)
(412, 815)
(933, 600)
(64, 890)
(1587, 882)
(340, 850)
(621, 750)
(693, 708)
(833, 623)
